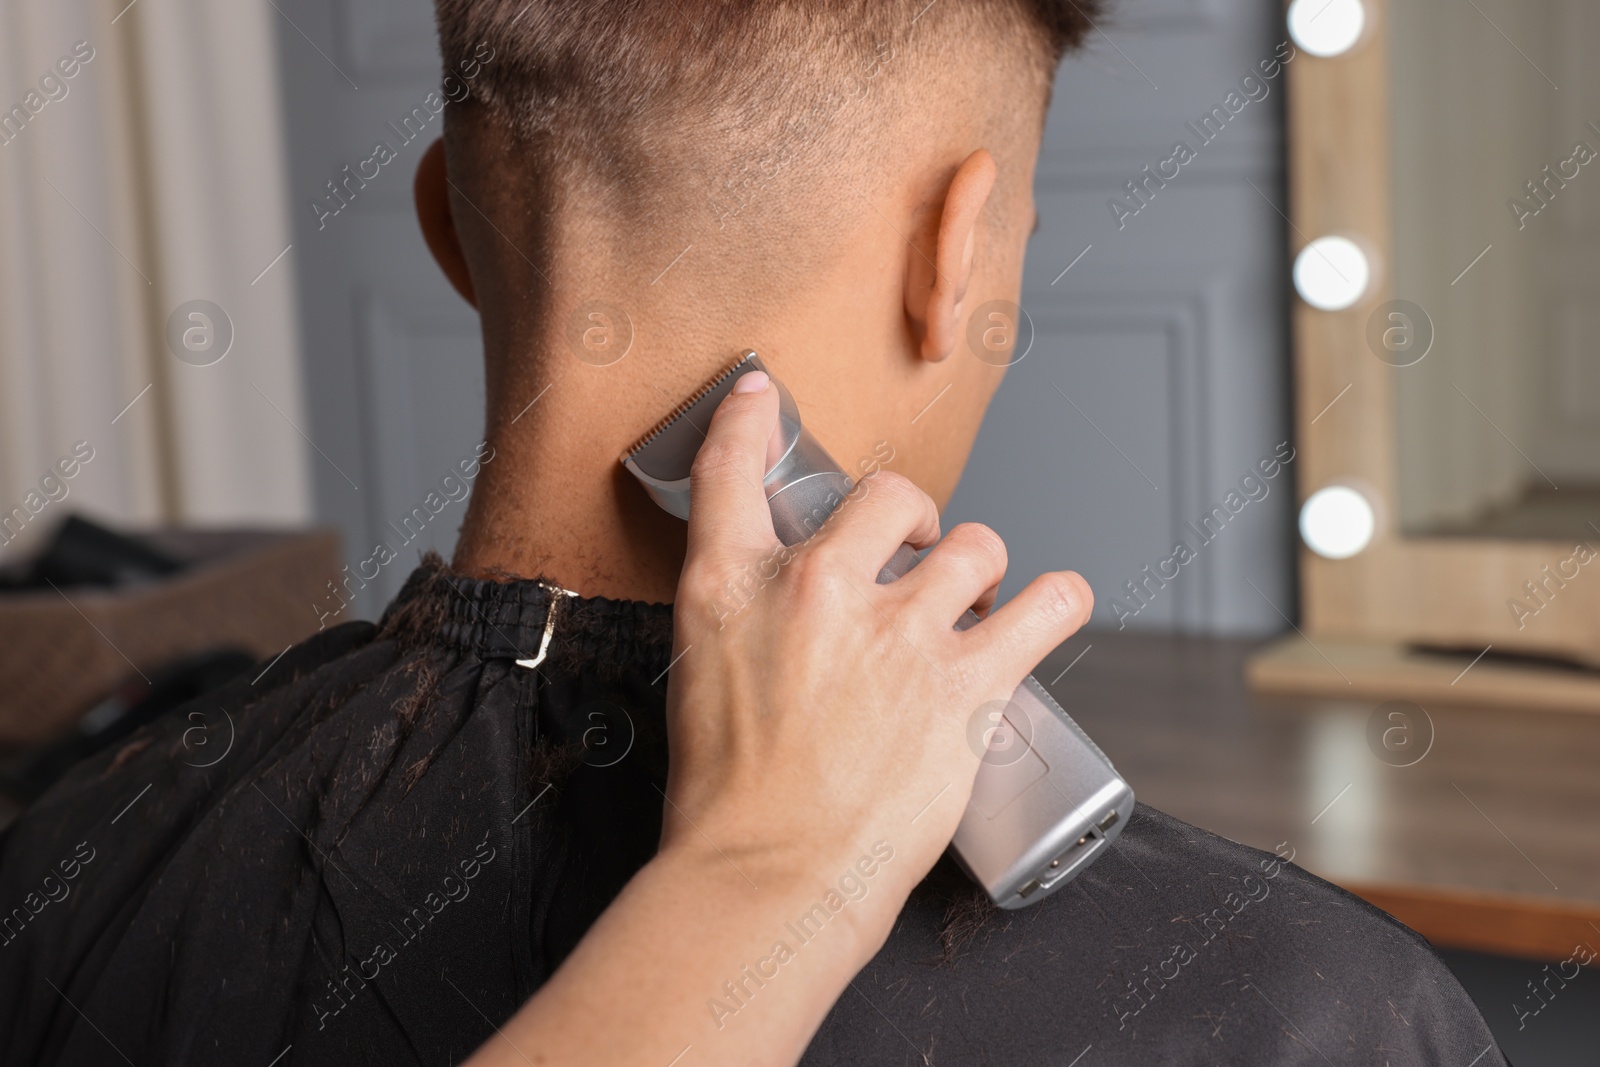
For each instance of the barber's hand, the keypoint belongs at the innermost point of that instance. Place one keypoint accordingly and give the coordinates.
(820, 763)
(813, 713)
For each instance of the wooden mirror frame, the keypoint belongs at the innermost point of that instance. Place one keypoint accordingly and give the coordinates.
(1361, 615)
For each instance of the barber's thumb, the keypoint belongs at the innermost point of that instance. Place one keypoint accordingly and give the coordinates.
(725, 481)
(755, 381)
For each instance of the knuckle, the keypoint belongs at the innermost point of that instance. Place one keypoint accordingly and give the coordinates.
(826, 550)
(816, 574)
(895, 489)
(983, 542)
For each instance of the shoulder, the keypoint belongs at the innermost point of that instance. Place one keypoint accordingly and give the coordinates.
(1177, 946)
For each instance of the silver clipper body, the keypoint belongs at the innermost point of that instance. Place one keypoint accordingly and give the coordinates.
(1046, 801)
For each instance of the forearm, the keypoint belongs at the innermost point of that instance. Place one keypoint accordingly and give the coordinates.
(694, 953)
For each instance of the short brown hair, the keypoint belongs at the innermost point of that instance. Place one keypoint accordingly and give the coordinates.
(612, 89)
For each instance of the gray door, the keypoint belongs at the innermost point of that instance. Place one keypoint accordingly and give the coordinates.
(394, 374)
(1158, 376)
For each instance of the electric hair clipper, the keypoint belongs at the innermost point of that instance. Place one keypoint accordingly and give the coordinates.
(1046, 801)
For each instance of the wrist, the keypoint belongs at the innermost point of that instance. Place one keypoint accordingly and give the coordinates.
(845, 901)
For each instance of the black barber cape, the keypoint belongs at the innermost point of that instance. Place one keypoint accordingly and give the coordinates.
(377, 850)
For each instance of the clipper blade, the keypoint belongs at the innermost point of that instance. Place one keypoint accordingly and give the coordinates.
(661, 459)
(662, 454)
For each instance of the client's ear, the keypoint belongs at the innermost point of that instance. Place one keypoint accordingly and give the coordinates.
(934, 291)
(432, 192)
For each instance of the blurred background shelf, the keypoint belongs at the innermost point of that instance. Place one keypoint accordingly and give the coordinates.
(1377, 670)
(63, 649)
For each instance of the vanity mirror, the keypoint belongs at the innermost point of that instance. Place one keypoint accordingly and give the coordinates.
(1445, 213)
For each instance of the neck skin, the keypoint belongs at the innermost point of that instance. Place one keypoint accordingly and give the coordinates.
(864, 318)
(556, 503)
(861, 279)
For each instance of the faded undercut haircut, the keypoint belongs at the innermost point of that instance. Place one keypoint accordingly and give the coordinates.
(633, 97)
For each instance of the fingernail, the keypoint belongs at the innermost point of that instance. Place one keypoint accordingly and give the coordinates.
(751, 382)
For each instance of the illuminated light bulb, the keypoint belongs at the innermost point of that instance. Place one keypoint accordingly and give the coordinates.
(1326, 27)
(1331, 273)
(1337, 522)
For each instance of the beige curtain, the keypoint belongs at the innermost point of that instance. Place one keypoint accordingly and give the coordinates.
(141, 169)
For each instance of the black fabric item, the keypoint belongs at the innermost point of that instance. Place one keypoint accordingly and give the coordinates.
(84, 553)
(409, 832)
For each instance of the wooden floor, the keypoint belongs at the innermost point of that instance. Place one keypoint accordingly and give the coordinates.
(1490, 841)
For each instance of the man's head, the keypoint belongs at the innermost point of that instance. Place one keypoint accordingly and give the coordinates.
(835, 183)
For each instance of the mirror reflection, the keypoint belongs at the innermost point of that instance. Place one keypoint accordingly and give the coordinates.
(1496, 287)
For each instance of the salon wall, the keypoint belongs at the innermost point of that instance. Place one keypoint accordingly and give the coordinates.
(1158, 377)
(393, 360)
